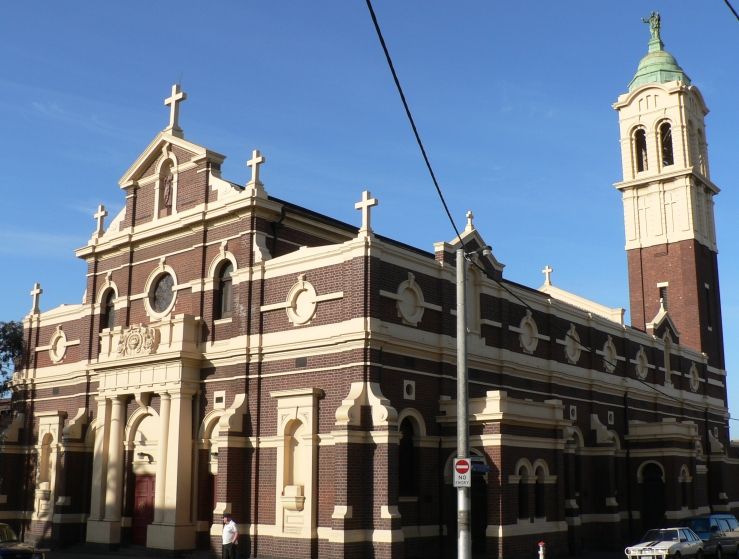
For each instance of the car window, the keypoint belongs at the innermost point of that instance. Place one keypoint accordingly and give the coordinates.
(7, 534)
(723, 525)
(733, 524)
(714, 523)
(699, 524)
(684, 535)
(691, 536)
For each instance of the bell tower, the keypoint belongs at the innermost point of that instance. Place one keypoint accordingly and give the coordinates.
(668, 202)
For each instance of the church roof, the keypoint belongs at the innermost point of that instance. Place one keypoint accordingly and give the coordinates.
(658, 66)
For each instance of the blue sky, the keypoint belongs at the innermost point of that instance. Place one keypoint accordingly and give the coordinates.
(513, 100)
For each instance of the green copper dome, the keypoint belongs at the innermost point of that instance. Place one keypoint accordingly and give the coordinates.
(658, 66)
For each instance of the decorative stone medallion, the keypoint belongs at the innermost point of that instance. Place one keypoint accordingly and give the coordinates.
(642, 364)
(410, 302)
(138, 340)
(573, 349)
(58, 345)
(301, 302)
(529, 334)
(695, 379)
(609, 355)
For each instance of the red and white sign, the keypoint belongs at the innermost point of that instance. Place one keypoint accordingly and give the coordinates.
(462, 472)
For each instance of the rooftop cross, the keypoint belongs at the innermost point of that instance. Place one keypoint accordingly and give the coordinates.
(256, 160)
(174, 110)
(35, 293)
(364, 205)
(547, 271)
(470, 216)
(100, 216)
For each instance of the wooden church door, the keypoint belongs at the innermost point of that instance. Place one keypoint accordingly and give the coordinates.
(143, 508)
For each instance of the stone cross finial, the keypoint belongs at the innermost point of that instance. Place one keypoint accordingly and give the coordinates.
(470, 216)
(364, 205)
(547, 271)
(35, 294)
(256, 160)
(100, 216)
(174, 108)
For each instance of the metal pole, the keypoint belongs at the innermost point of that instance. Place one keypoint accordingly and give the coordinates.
(464, 543)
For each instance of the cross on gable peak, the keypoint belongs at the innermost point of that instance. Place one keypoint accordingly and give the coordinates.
(173, 102)
(35, 296)
(364, 205)
(100, 217)
(256, 160)
(547, 271)
(470, 216)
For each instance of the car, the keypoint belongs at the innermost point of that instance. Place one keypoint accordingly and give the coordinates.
(663, 543)
(719, 532)
(10, 546)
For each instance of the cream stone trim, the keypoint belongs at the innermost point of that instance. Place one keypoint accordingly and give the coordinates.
(209, 282)
(103, 289)
(11, 432)
(302, 301)
(409, 301)
(73, 430)
(640, 470)
(358, 536)
(342, 512)
(296, 472)
(418, 421)
(525, 526)
(366, 394)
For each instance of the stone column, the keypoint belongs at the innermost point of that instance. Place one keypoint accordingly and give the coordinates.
(99, 460)
(176, 529)
(114, 490)
(159, 486)
(104, 525)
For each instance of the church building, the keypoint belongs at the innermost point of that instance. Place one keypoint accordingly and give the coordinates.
(236, 353)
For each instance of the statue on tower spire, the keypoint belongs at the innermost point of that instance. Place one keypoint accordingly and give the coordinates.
(654, 25)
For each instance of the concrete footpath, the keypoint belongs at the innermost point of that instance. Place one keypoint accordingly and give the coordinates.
(133, 553)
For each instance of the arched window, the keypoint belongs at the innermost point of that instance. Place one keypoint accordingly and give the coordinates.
(523, 492)
(407, 459)
(107, 317)
(665, 141)
(539, 501)
(640, 150)
(224, 291)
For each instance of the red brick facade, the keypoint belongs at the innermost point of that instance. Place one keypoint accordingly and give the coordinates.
(336, 339)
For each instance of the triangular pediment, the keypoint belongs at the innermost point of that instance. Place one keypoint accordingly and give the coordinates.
(662, 325)
(163, 141)
(473, 243)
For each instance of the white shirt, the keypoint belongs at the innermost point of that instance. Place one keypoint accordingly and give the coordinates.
(229, 532)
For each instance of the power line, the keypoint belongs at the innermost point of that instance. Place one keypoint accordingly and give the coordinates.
(410, 119)
(733, 11)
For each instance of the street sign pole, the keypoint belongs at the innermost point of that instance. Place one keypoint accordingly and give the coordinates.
(464, 543)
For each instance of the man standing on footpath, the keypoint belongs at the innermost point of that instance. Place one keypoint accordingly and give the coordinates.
(230, 537)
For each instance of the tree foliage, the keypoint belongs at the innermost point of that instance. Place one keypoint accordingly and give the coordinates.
(11, 350)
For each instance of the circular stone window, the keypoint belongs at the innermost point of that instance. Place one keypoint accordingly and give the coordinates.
(162, 293)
